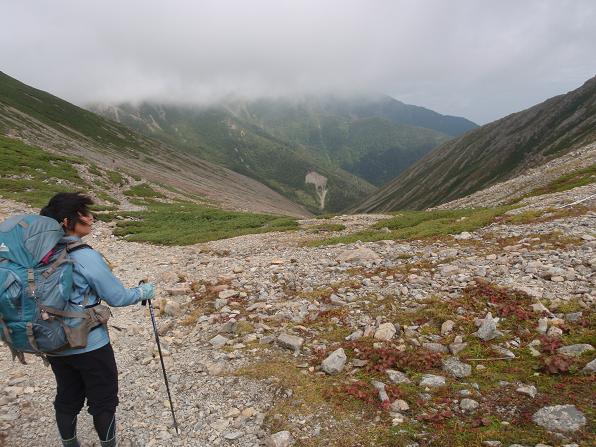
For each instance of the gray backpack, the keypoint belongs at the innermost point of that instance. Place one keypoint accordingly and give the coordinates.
(36, 315)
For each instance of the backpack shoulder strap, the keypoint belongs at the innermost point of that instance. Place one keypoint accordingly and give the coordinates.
(77, 246)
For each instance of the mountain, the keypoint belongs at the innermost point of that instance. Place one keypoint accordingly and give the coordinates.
(221, 137)
(493, 153)
(374, 137)
(48, 122)
(355, 144)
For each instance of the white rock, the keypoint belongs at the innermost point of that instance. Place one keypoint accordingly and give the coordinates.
(335, 362)
(528, 390)
(560, 418)
(386, 331)
(218, 341)
(397, 376)
(432, 381)
(468, 405)
(279, 439)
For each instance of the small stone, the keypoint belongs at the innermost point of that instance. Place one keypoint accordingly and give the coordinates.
(335, 362)
(492, 443)
(542, 325)
(432, 381)
(380, 387)
(360, 254)
(560, 418)
(447, 327)
(557, 279)
(280, 439)
(435, 347)
(456, 368)
(227, 294)
(456, 348)
(468, 405)
(233, 435)
(554, 332)
(528, 390)
(172, 308)
(488, 328)
(590, 367)
(176, 291)
(290, 342)
(399, 405)
(397, 419)
(463, 236)
(218, 341)
(502, 352)
(248, 412)
(397, 377)
(386, 331)
(355, 335)
(575, 350)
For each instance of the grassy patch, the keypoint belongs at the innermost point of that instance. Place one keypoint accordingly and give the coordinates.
(545, 215)
(566, 182)
(409, 225)
(187, 223)
(143, 190)
(31, 175)
(116, 178)
(325, 228)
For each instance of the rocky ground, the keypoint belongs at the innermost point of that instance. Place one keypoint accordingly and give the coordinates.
(481, 338)
(504, 192)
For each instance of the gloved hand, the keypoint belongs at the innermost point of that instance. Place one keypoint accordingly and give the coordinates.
(147, 291)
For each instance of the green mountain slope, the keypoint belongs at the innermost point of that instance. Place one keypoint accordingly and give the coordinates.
(53, 124)
(225, 138)
(355, 134)
(493, 153)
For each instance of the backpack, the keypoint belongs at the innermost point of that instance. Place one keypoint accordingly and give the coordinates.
(36, 283)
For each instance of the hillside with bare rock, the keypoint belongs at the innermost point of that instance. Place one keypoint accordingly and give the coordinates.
(43, 120)
(493, 153)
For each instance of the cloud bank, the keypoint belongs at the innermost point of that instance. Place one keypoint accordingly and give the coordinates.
(474, 58)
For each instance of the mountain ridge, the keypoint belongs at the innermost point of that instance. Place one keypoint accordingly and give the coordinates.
(46, 121)
(493, 153)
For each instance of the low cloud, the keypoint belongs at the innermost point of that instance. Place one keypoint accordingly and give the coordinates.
(477, 59)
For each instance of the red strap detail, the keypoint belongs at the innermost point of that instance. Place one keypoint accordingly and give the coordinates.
(46, 259)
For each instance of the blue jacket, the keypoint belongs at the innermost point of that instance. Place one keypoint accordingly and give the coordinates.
(92, 276)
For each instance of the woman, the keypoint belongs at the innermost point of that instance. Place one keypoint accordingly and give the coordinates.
(88, 372)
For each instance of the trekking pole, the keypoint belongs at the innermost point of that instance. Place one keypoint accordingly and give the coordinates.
(163, 367)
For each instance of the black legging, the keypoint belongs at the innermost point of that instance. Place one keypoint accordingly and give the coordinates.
(93, 376)
(105, 425)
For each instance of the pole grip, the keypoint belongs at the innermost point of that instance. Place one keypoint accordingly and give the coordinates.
(141, 282)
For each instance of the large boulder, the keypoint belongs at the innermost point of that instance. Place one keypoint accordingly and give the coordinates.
(560, 418)
(456, 368)
(290, 342)
(335, 362)
(488, 329)
(386, 331)
(361, 254)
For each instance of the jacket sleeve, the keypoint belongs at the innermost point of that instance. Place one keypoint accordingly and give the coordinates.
(103, 282)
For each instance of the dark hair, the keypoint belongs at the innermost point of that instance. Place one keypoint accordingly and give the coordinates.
(68, 205)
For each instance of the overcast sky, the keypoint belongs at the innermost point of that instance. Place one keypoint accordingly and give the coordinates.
(481, 59)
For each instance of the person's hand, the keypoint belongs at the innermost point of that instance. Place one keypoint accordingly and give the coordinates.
(147, 291)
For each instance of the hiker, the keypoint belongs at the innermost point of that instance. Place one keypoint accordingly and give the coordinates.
(88, 372)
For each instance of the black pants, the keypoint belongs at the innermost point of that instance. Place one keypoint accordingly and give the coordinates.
(91, 375)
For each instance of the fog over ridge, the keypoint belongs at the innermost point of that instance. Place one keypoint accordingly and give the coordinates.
(477, 59)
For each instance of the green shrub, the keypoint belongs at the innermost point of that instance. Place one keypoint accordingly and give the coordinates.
(186, 223)
(409, 225)
(143, 190)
